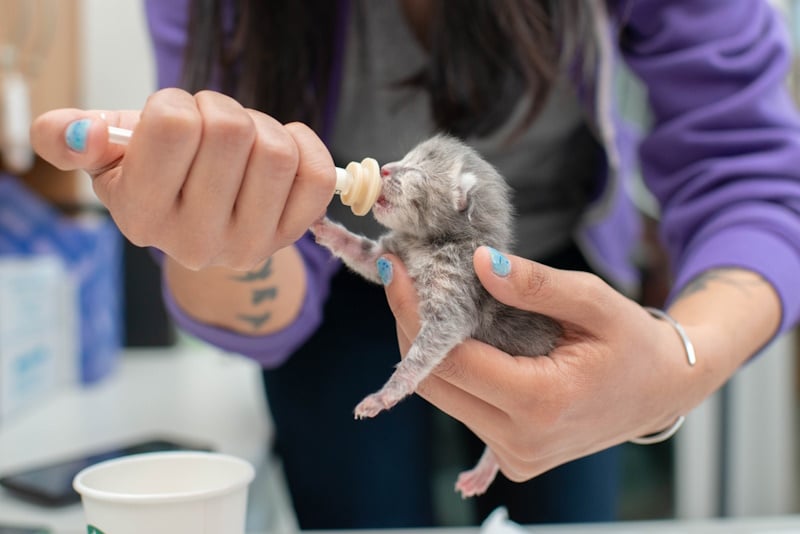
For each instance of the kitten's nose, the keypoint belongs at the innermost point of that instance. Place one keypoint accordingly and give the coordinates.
(388, 169)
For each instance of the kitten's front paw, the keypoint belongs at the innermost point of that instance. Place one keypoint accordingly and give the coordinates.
(369, 407)
(325, 232)
(376, 403)
(318, 227)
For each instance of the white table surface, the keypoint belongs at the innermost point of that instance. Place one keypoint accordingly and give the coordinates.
(200, 394)
(194, 393)
(765, 525)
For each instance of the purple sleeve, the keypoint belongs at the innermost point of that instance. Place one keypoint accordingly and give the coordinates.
(723, 156)
(167, 23)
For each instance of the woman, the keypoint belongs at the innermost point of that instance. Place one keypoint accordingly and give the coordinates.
(227, 194)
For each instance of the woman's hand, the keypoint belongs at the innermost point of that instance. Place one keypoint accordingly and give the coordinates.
(203, 179)
(617, 374)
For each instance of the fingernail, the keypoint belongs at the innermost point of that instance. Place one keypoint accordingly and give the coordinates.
(76, 134)
(500, 264)
(385, 270)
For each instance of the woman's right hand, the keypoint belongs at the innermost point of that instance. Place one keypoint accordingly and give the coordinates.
(203, 179)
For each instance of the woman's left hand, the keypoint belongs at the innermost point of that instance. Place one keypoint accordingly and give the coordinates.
(618, 373)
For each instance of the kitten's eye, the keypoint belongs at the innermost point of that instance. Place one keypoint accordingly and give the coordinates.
(426, 154)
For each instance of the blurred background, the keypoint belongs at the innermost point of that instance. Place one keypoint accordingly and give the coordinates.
(736, 455)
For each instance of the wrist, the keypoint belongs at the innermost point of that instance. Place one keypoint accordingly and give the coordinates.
(689, 358)
(261, 301)
(729, 314)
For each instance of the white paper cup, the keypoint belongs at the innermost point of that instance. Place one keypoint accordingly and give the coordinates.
(175, 492)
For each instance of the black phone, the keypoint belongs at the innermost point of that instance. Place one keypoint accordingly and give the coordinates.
(51, 484)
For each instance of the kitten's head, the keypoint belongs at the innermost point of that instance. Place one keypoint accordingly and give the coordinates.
(443, 186)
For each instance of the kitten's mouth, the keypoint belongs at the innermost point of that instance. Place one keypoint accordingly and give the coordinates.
(382, 202)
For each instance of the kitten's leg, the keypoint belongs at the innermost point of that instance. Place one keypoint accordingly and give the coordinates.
(357, 252)
(477, 480)
(430, 347)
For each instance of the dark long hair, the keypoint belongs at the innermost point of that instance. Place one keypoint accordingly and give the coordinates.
(484, 55)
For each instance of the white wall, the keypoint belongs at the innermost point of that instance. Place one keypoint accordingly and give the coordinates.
(118, 69)
(737, 454)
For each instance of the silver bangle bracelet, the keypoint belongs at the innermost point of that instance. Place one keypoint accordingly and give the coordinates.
(658, 437)
(691, 358)
(687, 343)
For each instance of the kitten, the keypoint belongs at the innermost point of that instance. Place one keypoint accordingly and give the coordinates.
(440, 203)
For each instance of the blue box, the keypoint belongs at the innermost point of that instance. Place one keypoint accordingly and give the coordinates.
(39, 351)
(91, 249)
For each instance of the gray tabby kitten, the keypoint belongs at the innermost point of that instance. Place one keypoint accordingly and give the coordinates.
(441, 202)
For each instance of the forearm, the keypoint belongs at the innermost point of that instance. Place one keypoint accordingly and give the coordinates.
(262, 301)
(729, 314)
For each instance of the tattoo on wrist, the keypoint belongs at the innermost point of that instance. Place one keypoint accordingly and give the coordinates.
(727, 276)
(256, 321)
(265, 271)
(267, 293)
(259, 294)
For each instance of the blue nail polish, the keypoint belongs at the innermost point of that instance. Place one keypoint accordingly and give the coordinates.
(500, 264)
(76, 134)
(385, 270)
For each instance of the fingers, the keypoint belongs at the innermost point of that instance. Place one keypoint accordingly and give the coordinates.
(157, 161)
(266, 185)
(460, 404)
(569, 296)
(290, 174)
(72, 139)
(498, 378)
(313, 186)
(209, 192)
(202, 178)
(492, 425)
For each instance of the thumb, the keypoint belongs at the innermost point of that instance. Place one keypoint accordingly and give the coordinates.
(73, 139)
(569, 296)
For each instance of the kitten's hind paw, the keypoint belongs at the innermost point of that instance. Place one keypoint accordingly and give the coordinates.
(478, 479)
(472, 484)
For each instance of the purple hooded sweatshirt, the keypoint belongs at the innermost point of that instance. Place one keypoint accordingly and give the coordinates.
(721, 155)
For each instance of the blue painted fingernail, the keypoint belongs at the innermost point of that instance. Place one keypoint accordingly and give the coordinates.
(385, 270)
(76, 134)
(500, 264)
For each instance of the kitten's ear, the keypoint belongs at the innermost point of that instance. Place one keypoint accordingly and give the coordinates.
(463, 188)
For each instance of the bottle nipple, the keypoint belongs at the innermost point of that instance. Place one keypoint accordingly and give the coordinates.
(359, 185)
